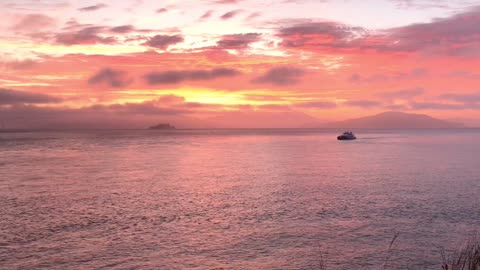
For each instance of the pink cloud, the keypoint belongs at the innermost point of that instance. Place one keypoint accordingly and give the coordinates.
(123, 29)
(281, 76)
(11, 97)
(93, 8)
(454, 36)
(206, 15)
(163, 41)
(227, 1)
(175, 76)
(87, 35)
(34, 23)
(230, 14)
(237, 41)
(111, 78)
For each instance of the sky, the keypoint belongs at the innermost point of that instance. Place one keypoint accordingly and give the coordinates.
(235, 63)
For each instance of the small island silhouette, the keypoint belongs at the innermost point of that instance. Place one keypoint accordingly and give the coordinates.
(162, 126)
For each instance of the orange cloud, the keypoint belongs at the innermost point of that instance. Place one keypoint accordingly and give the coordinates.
(309, 69)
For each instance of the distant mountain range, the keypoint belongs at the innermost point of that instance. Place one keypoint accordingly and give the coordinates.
(395, 120)
(254, 119)
(246, 119)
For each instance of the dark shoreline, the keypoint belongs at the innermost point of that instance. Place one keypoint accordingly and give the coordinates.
(193, 129)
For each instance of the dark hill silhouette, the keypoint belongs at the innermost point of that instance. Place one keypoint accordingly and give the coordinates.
(395, 120)
(162, 127)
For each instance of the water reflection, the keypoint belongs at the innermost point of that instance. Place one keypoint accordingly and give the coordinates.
(234, 199)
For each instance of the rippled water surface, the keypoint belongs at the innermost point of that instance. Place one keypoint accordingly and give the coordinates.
(236, 199)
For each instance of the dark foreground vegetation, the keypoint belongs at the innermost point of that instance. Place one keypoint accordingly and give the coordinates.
(467, 257)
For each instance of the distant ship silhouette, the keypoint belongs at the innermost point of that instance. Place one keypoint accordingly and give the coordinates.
(162, 126)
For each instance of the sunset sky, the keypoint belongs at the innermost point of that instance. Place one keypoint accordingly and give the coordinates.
(235, 63)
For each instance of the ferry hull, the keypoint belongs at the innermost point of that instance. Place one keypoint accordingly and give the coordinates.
(345, 138)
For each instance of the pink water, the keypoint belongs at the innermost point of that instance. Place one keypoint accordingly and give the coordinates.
(236, 199)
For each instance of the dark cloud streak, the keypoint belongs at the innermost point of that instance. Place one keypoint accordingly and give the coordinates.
(12, 97)
(317, 105)
(163, 41)
(363, 103)
(93, 8)
(110, 77)
(237, 41)
(281, 76)
(122, 29)
(175, 77)
(87, 35)
(230, 14)
(206, 15)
